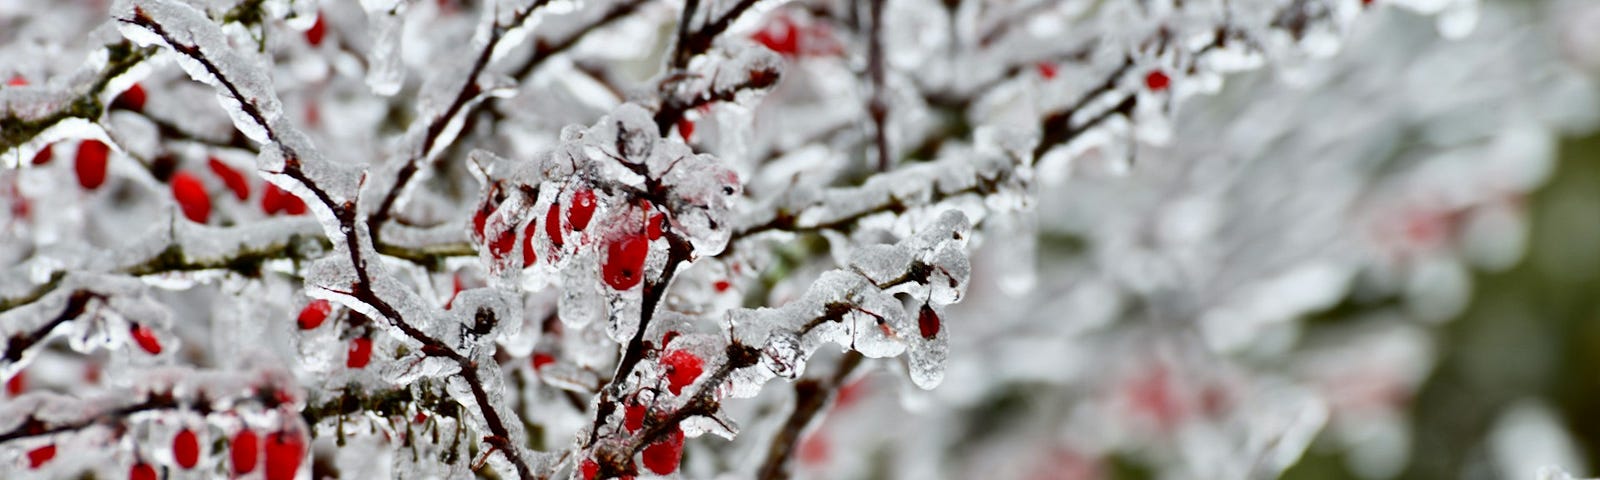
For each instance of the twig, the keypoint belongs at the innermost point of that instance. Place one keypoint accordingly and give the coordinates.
(674, 107)
(436, 126)
(878, 107)
(700, 41)
(810, 398)
(18, 345)
(346, 215)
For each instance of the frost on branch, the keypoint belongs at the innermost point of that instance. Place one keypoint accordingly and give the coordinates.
(555, 239)
(859, 309)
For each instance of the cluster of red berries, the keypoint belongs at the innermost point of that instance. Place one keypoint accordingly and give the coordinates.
(660, 457)
(93, 157)
(623, 267)
(284, 453)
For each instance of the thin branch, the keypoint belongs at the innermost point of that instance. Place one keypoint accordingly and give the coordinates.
(248, 261)
(346, 214)
(470, 90)
(673, 108)
(704, 401)
(18, 345)
(700, 41)
(123, 56)
(543, 50)
(878, 106)
(167, 129)
(789, 221)
(811, 397)
(680, 52)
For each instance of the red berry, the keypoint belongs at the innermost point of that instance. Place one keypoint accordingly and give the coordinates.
(1046, 70)
(850, 393)
(130, 99)
(589, 469)
(682, 369)
(666, 338)
(928, 322)
(244, 450)
(633, 417)
(276, 200)
(624, 265)
(292, 204)
(22, 207)
(142, 471)
(271, 200)
(314, 314)
(685, 129)
(146, 338)
(1156, 80)
(317, 31)
(814, 449)
(479, 220)
(230, 177)
(662, 457)
(654, 228)
(360, 353)
(582, 209)
(721, 285)
(43, 156)
(542, 359)
(780, 36)
(191, 196)
(552, 225)
(529, 257)
(17, 81)
(39, 456)
(186, 449)
(17, 384)
(284, 453)
(313, 115)
(502, 244)
(91, 164)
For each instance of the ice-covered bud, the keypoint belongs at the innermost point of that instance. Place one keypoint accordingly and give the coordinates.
(783, 356)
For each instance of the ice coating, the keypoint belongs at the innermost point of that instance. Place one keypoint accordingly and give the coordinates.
(386, 22)
(857, 303)
(181, 26)
(499, 294)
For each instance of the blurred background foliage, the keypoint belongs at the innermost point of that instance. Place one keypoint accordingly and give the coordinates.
(1530, 336)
